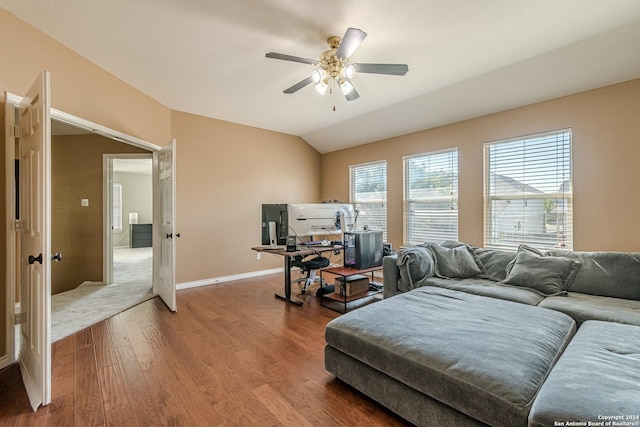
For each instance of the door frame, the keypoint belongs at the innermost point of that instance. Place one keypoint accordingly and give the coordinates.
(12, 101)
(107, 203)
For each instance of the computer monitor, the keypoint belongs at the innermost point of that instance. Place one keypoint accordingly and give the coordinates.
(276, 233)
(320, 219)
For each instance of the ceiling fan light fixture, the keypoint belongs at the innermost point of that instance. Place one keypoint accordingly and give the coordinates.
(321, 87)
(316, 75)
(349, 71)
(346, 87)
(334, 66)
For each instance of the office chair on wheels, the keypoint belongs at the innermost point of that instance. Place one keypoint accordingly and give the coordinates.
(309, 268)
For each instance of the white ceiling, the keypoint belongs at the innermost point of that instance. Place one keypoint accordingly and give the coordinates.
(466, 58)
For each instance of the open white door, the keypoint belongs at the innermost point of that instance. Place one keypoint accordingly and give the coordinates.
(164, 247)
(35, 241)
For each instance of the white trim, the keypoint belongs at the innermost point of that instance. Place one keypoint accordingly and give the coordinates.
(10, 228)
(4, 362)
(76, 121)
(222, 279)
(92, 127)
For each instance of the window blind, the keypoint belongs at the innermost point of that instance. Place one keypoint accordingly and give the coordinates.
(528, 192)
(117, 208)
(368, 194)
(431, 197)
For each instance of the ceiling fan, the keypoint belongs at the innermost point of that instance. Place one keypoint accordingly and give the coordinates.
(334, 66)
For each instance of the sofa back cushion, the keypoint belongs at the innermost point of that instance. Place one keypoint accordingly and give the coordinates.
(549, 275)
(609, 274)
(495, 262)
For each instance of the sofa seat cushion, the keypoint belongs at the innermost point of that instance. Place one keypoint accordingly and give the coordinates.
(583, 307)
(596, 377)
(488, 288)
(482, 356)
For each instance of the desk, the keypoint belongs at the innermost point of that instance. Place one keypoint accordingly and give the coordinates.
(302, 251)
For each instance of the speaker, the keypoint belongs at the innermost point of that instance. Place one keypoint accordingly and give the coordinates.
(273, 237)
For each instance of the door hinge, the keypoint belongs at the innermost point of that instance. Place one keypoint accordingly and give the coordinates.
(18, 318)
(17, 223)
(16, 131)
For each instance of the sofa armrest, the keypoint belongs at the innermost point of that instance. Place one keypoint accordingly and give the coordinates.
(390, 276)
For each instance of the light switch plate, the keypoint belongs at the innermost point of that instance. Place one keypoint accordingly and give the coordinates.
(84, 202)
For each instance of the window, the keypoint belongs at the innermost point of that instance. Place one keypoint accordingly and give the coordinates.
(431, 197)
(528, 192)
(368, 194)
(116, 204)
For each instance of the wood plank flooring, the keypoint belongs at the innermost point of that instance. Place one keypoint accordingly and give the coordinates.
(232, 355)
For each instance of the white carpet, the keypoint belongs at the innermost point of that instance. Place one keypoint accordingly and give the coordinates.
(92, 302)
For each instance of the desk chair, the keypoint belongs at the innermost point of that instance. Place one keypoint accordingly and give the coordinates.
(309, 268)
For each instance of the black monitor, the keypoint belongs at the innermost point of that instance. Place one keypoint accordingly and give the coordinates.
(277, 214)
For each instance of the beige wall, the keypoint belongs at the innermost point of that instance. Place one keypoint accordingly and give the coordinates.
(78, 87)
(77, 231)
(606, 152)
(225, 172)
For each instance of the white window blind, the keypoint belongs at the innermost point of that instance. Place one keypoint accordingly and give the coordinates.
(528, 192)
(116, 204)
(431, 197)
(368, 194)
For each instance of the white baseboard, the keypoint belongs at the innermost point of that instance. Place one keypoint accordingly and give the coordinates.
(4, 361)
(222, 279)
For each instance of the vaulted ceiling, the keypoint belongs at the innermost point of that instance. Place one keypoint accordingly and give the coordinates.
(466, 58)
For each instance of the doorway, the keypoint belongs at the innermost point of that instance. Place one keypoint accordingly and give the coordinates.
(128, 210)
(82, 208)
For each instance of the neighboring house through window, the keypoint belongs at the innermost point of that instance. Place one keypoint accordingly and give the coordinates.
(528, 192)
(368, 194)
(431, 197)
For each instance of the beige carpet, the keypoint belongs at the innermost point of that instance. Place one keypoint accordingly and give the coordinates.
(92, 302)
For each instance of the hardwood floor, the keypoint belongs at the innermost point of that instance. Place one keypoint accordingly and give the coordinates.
(232, 355)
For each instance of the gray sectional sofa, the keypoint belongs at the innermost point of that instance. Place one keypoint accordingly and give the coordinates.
(476, 336)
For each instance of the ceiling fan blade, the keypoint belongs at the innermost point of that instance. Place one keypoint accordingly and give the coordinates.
(350, 42)
(296, 87)
(392, 69)
(353, 95)
(284, 57)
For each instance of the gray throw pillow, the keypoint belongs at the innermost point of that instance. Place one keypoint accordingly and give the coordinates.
(458, 262)
(546, 274)
(495, 262)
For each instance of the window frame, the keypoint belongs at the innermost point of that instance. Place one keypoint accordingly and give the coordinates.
(532, 169)
(380, 224)
(410, 199)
